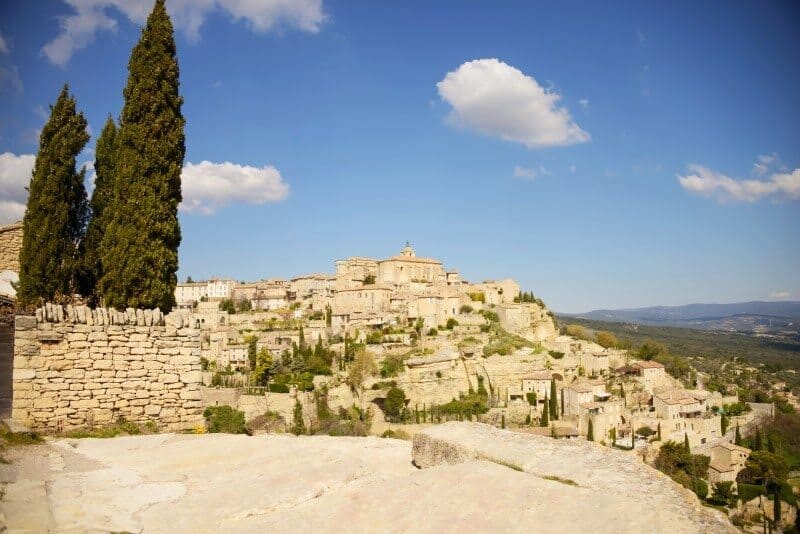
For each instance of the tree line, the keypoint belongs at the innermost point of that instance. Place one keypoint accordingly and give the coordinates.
(120, 248)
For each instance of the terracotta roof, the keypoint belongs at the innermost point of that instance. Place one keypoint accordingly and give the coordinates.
(732, 447)
(581, 387)
(648, 364)
(720, 467)
(539, 375)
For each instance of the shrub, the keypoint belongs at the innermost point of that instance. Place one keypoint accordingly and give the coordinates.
(391, 365)
(451, 323)
(395, 404)
(278, 388)
(531, 396)
(556, 355)
(700, 487)
(477, 296)
(228, 305)
(224, 419)
(466, 308)
(433, 332)
(374, 338)
(606, 339)
(645, 431)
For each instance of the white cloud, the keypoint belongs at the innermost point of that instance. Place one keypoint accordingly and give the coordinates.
(780, 295)
(78, 30)
(765, 161)
(3, 45)
(584, 102)
(530, 174)
(640, 36)
(496, 99)
(208, 186)
(706, 182)
(15, 175)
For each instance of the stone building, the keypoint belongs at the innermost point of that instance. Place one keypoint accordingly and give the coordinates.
(727, 460)
(190, 293)
(10, 246)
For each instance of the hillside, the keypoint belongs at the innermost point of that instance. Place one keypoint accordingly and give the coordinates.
(780, 353)
(757, 317)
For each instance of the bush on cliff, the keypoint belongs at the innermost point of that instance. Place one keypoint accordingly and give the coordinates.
(224, 419)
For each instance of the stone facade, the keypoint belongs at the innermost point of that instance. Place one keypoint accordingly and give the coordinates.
(76, 367)
(10, 246)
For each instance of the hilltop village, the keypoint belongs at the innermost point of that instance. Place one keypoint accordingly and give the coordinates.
(430, 347)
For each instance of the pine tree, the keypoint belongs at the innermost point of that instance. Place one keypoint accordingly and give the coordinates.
(102, 197)
(57, 211)
(140, 245)
(590, 431)
(553, 401)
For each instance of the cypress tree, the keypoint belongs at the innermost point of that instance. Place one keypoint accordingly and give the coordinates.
(723, 421)
(686, 442)
(140, 245)
(590, 431)
(553, 401)
(102, 197)
(544, 420)
(738, 437)
(758, 444)
(57, 210)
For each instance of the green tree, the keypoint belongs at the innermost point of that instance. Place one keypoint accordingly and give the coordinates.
(590, 431)
(606, 339)
(544, 421)
(758, 442)
(724, 422)
(395, 404)
(651, 349)
(102, 196)
(299, 425)
(723, 494)
(140, 245)
(686, 442)
(553, 404)
(738, 438)
(57, 210)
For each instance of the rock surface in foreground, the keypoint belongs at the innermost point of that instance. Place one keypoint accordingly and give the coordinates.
(283, 483)
(637, 486)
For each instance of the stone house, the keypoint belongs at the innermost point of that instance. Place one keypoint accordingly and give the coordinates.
(649, 374)
(187, 294)
(677, 406)
(727, 460)
(581, 393)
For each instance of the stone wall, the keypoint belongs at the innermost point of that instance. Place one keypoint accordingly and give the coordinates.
(10, 245)
(76, 367)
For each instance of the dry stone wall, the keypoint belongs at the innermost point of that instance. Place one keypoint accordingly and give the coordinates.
(10, 245)
(75, 367)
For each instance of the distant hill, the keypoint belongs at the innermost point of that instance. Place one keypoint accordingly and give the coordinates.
(757, 317)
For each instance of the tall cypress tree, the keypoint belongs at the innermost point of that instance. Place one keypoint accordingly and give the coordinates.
(140, 245)
(553, 406)
(102, 197)
(57, 210)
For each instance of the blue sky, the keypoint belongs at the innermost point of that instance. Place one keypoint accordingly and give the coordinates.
(603, 154)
